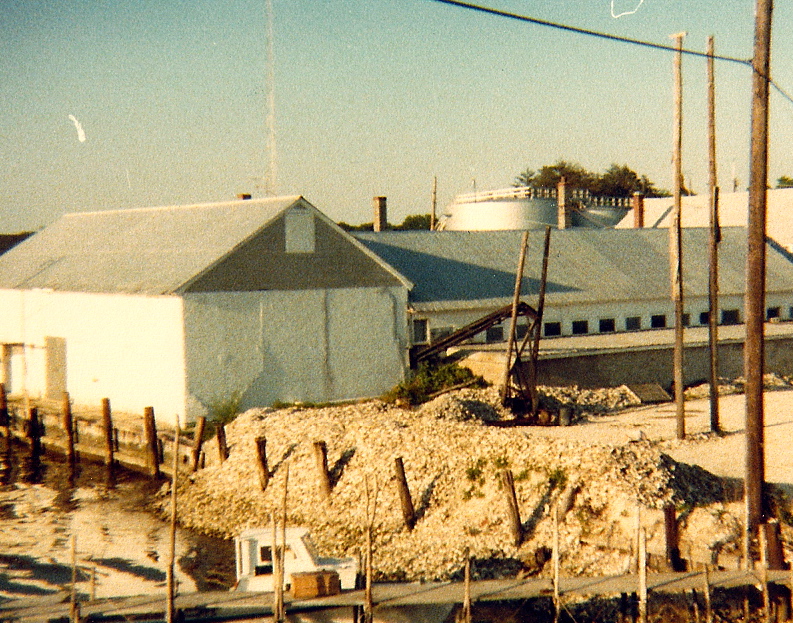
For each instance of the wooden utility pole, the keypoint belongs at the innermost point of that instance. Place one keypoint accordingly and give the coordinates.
(713, 249)
(755, 273)
(675, 239)
(433, 214)
(505, 389)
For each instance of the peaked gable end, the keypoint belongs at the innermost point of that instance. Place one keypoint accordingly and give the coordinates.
(298, 250)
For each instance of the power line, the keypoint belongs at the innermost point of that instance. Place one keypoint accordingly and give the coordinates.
(584, 31)
(602, 35)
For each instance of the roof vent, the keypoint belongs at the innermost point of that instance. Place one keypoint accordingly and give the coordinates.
(243, 196)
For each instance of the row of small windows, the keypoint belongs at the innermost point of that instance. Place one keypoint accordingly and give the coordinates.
(634, 323)
(581, 327)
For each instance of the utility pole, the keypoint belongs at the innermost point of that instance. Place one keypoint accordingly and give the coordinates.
(675, 239)
(713, 249)
(755, 274)
(434, 203)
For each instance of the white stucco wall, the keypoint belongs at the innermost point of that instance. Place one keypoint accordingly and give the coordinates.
(302, 345)
(127, 348)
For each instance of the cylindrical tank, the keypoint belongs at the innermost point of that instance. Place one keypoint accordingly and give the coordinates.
(527, 208)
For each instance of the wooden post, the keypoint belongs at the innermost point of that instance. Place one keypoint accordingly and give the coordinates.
(371, 510)
(34, 432)
(708, 607)
(467, 593)
(68, 427)
(713, 249)
(408, 512)
(198, 441)
(107, 427)
(282, 551)
(150, 435)
(223, 449)
(505, 389)
(4, 420)
(754, 300)
(321, 458)
(169, 572)
(764, 574)
(74, 614)
(261, 462)
(535, 346)
(434, 203)
(557, 601)
(515, 525)
(671, 534)
(675, 240)
(642, 576)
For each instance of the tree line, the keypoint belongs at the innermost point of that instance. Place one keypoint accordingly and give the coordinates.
(616, 181)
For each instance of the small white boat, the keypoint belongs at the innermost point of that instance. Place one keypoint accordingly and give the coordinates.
(254, 554)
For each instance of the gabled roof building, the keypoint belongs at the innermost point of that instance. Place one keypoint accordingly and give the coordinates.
(186, 307)
(599, 281)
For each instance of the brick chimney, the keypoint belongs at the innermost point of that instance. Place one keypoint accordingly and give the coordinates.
(563, 210)
(637, 202)
(380, 220)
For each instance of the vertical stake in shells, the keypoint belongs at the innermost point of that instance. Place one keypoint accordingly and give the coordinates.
(223, 449)
(515, 524)
(198, 441)
(408, 512)
(321, 458)
(261, 462)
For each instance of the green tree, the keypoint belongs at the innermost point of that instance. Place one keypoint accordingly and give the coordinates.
(525, 178)
(784, 182)
(415, 221)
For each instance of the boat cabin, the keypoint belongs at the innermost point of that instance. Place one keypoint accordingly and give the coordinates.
(254, 553)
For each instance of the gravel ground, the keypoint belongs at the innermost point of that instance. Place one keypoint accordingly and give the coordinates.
(606, 469)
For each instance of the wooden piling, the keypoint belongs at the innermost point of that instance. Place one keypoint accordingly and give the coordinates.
(261, 462)
(170, 607)
(323, 477)
(33, 432)
(68, 427)
(708, 607)
(107, 429)
(467, 589)
(515, 524)
(408, 512)
(198, 441)
(152, 449)
(4, 420)
(223, 448)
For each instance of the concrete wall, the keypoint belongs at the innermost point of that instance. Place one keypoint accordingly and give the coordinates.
(306, 345)
(123, 347)
(655, 365)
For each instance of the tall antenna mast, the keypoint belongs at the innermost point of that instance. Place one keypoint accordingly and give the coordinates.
(271, 177)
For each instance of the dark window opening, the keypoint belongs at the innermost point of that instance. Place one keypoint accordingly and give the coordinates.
(773, 312)
(439, 334)
(686, 320)
(521, 330)
(704, 317)
(580, 327)
(607, 325)
(658, 321)
(420, 331)
(730, 316)
(633, 323)
(495, 334)
(553, 328)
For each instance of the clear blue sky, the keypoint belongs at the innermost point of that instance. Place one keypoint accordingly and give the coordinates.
(372, 97)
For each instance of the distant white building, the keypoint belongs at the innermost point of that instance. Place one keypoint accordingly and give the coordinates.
(184, 307)
(733, 212)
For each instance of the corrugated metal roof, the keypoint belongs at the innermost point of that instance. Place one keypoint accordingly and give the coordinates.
(142, 251)
(456, 269)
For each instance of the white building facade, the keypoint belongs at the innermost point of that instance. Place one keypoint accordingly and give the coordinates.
(186, 307)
